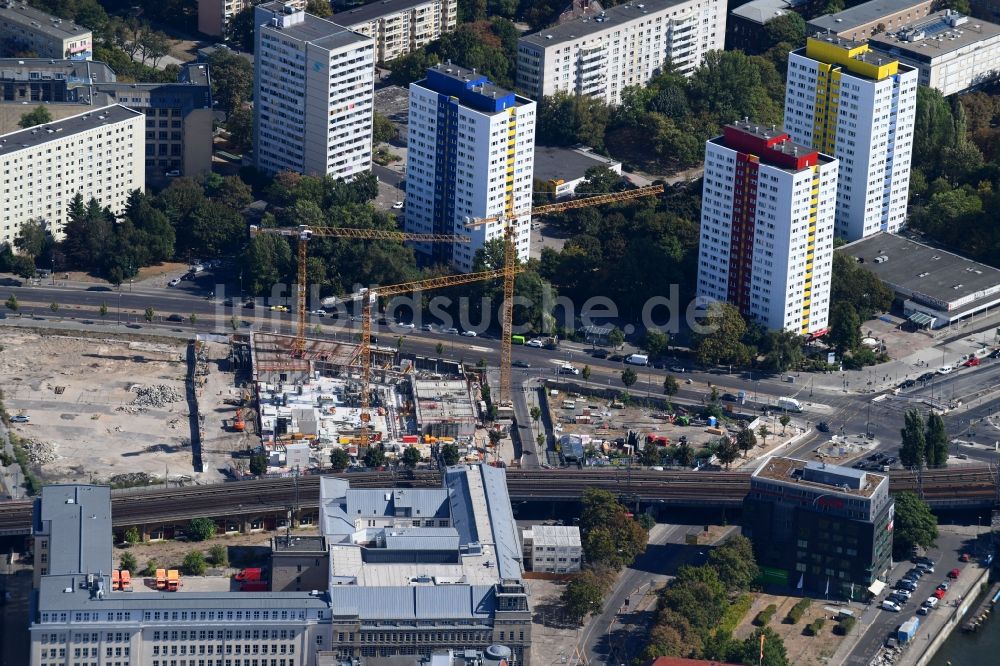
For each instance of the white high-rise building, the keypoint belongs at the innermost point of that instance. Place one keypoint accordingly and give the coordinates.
(313, 94)
(401, 26)
(767, 219)
(859, 106)
(470, 155)
(98, 154)
(600, 54)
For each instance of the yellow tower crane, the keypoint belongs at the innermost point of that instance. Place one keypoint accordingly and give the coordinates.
(304, 233)
(509, 270)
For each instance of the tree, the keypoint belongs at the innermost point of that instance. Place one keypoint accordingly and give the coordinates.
(383, 131)
(151, 566)
(745, 439)
(727, 451)
(232, 78)
(319, 8)
(411, 457)
(54, 307)
(610, 537)
(240, 29)
(581, 598)
(650, 454)
(915, 525)
(784, 420)
(763, 432)
(655, 342)
(535, 412)
(585, 373)
(790, 28)
(670, 386)
(128, 562)
(629, 377)
(913, 450)
(773, 648)
(103, 310)
(23, 266)
(37, 116)
(845, 327)
(258, 464)
(218, 555)
(193, 318)
(936, 441)
(783, 350)
(616, 338)
(194, 563)
(239, 124)
(149, 313)
(339, 460)
(132, 536)
(200, 529)
(439, 348)
(12, 303)
(684, 454)
(374, 456)
(600, 180)
(32, 239)
(450, 455)
(722, 345)
(734, 561)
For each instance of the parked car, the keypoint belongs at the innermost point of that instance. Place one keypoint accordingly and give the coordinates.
(677, 368)
(945, 370)
(174, 282)
(909, 383)
(175, 317)
(20, 418)
(569, 370)
(401, 324)
(451, 331)
(534, 342)
(906, 585)
(954, 573)
(279, 308)
(994, 354)
(939, 593)
(926, 377)
(823, 426)
(890, 606)
(972, 362)
(927, 568)
(518, 363)
(249, 305)
(931, 602)
(469, 334)
(397, 205)
(599, 353)
(944, 586)
(427, 327)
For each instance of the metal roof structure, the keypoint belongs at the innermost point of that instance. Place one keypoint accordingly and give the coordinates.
(315, 30)
(861, 14)
(375, 10)
(80, 517)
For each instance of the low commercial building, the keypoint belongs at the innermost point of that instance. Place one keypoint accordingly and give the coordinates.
(178, 129)
(26, 29)
(97, 154)
(561, 170)
(934, 287)
(299, 563)
(400, 26)
(818, 527)
(745, 24)
(552, 548)
(860, 22)
(626, 45)
(952, 52)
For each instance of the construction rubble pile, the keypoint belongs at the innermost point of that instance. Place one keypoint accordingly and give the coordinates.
(40, 453)
(159, 395)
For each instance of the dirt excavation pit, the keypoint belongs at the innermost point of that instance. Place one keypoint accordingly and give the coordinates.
(99, 409)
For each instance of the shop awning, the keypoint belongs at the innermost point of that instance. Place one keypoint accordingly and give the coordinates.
(921, 319)
(876, 588)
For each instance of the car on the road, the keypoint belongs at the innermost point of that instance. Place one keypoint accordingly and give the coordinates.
(534, 342)
(279, 308)
(174, 282)
(926, 377)
(728, 397)
(617, 357)
(227, 303)
(403, 324)
(318, 313)
(890, 606)
(972, 362)
(875, 457)
(451, 331)
(397, 205)
(469, 334)
(600, 353)
(569, 370)
(175, 317)
(427, 327)
(823, 426)
(908, 383)
(995, 354)
(20, 418)
(249, 305)
(954, 573)
(945, 369)
(677, 368)
(518, 363)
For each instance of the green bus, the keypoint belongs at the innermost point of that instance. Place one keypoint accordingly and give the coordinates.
(517, 339)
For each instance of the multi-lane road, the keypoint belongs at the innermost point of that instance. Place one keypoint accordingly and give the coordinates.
(833, 399)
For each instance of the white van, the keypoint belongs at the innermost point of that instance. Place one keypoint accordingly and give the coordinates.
(789, 404)
(637, 359)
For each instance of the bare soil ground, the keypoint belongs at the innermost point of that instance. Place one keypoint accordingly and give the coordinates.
(186, 49)
(76, 391)
(243, 550)
(552, 641)
(802, 650)
(145, 273)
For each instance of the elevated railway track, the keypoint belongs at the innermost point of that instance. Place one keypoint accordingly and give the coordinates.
(972, 487)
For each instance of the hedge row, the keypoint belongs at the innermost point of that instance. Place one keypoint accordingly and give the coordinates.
(798, 610)
(765, 615)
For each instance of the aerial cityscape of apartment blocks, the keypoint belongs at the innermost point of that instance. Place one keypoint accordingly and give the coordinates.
(98, 153)
(624, 46)
(858, 106)
(25, 28)
(471, 153)
(767, 227)
(313, 94)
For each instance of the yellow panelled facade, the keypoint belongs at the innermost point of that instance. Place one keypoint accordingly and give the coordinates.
(810, 249)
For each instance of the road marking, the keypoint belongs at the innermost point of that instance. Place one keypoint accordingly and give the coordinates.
(478, 349)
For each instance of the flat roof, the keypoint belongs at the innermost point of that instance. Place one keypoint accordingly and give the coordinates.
(299, 544)
(39, 21)
(443, 401)
(554, 163)
(935, 35)
(923, 270)
(587, 25)
(862, 14)
(316, 30)
(74, 71)
(374, 10)
(791, 471)
(78, 522)
(762, 11)
(60, 129)
(773, 146)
